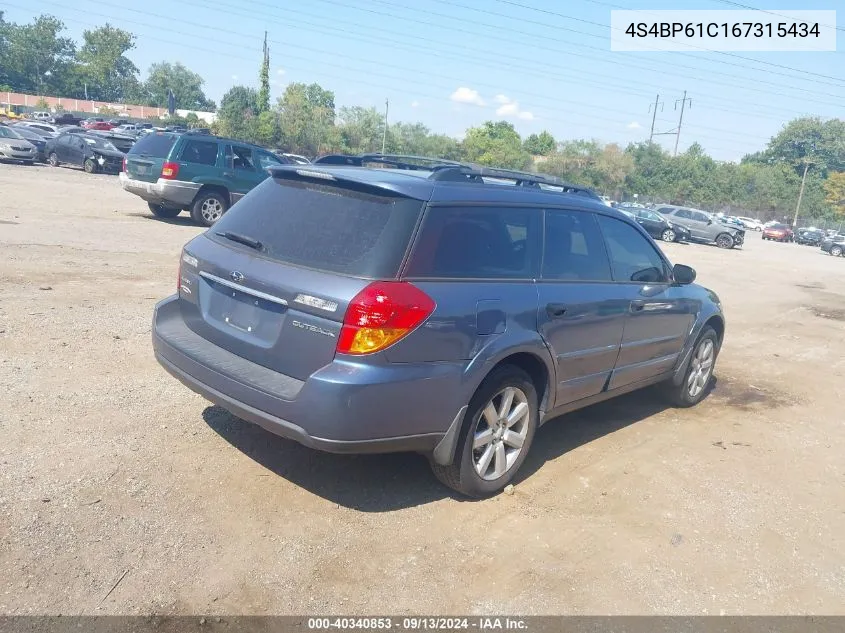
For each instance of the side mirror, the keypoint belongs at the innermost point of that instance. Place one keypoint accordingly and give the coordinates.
(683, 274)
(710, 221)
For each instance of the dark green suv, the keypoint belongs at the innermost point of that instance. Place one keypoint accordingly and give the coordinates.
(199, 173)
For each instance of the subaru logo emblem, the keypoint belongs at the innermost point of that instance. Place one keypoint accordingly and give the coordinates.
(237, 277)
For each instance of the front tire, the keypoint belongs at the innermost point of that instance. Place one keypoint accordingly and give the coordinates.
(89, 166)
(208, 208)
(497, 432)
(698, 373)
(836, 251)
(161, 211)
(668, 235)
(53, 159)
(724, 241)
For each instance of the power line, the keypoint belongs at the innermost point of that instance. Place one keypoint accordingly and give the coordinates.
(780, 15)
(428, 51)
(342, 67)
(726, 53)
(534, 36)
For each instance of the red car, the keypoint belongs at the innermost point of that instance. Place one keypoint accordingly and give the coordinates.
(778, 233)
(92, 124)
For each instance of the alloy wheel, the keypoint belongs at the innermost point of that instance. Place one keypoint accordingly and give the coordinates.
(702, 367)
(211, 210)
(500, 433)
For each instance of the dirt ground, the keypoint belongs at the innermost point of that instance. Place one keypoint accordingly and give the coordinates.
(123, 492)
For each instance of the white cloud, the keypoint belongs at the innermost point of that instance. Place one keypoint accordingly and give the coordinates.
(234, 77)
(415, 104)
(467, 95)
(281, 71)
(510, 108)
(633, 125)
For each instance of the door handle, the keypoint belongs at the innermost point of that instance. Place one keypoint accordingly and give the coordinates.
(555, 310)
(637, 306)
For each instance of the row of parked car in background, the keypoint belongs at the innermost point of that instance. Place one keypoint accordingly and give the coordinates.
(177, 169)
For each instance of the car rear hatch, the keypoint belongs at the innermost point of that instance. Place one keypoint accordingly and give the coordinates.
(147, 156)
(271, 281)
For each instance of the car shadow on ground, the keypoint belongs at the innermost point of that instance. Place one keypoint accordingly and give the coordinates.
(180, 220)
(383, 483)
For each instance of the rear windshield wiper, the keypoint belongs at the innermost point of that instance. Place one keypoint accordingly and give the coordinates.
(246, 240)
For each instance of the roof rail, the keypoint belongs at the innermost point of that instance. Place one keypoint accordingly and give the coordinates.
(455, 171)
(471, 173)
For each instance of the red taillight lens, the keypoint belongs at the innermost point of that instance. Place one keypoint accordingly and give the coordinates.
(169, 171)
(124, 164)
(381, 314)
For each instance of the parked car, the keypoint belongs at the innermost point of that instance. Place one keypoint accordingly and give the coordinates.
(810, 237)
(703, 227)
(66, 118)
(14, 147)
(41, 116)
(118, 122)
(659, 227)
(778, 233)
(834, 245)
(97, 125)
(36, 138)
(123, 142)
(732, 221)
(130, 129)
(363, 310)
(39, 125)
(89, 151)
(750, 223)
(296, 158)
(201, 173)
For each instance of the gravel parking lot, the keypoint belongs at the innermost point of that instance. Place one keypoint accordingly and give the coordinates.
(123, 492)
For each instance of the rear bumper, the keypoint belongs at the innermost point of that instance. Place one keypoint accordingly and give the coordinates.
(175, 193)
(344, 407)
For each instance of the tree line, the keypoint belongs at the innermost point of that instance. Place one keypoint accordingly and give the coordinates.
(37, 58)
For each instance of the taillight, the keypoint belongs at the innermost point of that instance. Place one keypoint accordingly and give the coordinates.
(169, 171)
(124, 164)
(381, 314)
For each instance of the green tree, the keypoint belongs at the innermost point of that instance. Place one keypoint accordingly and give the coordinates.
(834, 189)
(185, 84)
(307, 119)
(541, 144)
(237, 107)
(110, 75)
(808, 140)
(264, 78)
(34, 57)
(417, 139)
(360, 129)
(496, 144)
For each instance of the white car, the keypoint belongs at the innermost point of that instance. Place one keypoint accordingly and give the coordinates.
(750, 223)
(41, 116)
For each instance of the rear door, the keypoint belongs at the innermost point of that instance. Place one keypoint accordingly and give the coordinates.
(244, 172)
(144, 161)
(282, 305)
(685, 218)
(581, 316)
(200, 160)
(657, 313)
(703, 224)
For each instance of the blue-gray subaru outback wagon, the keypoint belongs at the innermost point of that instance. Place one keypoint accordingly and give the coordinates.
(432, 307)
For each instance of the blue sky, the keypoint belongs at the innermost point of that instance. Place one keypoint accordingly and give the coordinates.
(453, 64)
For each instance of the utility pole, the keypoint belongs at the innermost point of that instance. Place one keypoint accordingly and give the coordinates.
(654, 116)
(384, 132)
(681, 120)
(801, 192)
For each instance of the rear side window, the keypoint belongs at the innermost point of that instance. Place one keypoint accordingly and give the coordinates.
(632, 257)
(683, 213)
(200, 152)
(329, 228)
(574, 249)
(154, 145)
(477, 243)
(700, 217)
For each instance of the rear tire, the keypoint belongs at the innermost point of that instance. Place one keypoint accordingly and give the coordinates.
(496, 434)
(836, 251)
(53, 159)
(161, 211)
(208, 208)
(698, 372)
(89, 166)
(724, 240)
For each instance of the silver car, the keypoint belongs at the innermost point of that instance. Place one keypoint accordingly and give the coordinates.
(704, 227)
(15, 147)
